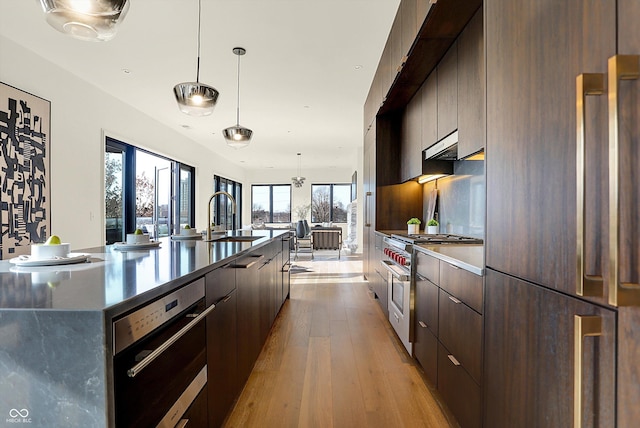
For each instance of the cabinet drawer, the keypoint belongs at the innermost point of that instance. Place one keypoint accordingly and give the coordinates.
(463, 284)
(458, 390)
(428, 267)
(426, 305)
(425, 350)
(460, 330)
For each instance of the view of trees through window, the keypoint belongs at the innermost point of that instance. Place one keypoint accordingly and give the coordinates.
(271, 203)
(139, 190)
(329, 202)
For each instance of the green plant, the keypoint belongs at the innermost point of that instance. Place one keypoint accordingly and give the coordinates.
(414, 220)
(433, 222)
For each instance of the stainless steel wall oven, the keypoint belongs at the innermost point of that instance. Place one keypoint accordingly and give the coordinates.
(160, 364)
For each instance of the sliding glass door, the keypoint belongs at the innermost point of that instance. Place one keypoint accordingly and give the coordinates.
(146, 191)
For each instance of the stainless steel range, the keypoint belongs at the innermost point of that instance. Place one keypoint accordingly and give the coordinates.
(400, 267)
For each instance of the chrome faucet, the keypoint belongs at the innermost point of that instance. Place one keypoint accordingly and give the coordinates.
(233, 210)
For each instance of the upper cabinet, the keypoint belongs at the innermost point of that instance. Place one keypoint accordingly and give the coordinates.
(429, 111)
(471, 88)
(411, 139)
(448, 93)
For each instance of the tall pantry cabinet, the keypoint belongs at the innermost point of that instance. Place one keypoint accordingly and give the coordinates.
(558, 350)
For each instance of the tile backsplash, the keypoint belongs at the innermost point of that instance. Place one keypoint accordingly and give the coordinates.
(461, 199)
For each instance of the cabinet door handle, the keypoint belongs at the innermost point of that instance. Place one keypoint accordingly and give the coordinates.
(423, 325)
(454, 300)
(453, 360)
(584, 326)
(586, 84)
(621, 67)
(367, 223)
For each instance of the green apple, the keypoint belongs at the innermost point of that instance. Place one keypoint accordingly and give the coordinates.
(138, 232)
(53, 240)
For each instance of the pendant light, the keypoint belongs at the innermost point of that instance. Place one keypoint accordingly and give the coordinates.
(195, 98)
(89, 20)
(238, 136)
(299, 180)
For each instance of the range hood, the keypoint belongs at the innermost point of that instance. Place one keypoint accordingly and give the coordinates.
(445, 149)
(438, 159)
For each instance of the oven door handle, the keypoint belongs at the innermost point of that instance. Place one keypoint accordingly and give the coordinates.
(135, 370)
(395, 271)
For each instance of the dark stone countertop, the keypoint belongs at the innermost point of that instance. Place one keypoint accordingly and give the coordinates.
(115, 281)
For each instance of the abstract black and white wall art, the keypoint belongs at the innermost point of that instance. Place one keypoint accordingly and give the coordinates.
(25, 128)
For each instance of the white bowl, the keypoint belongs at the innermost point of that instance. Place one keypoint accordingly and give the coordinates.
(45, 252)
(188, 232)
(132, 238)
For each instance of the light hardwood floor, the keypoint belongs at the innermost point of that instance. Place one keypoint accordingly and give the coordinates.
(332, 360)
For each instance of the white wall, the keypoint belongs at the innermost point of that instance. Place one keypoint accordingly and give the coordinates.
(81, 114)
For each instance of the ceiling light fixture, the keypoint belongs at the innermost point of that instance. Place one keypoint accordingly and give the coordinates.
(195, 98)
(95, 21)
(238, 136)
(299, 180)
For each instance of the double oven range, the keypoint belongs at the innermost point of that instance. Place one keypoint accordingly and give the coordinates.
(398, 262)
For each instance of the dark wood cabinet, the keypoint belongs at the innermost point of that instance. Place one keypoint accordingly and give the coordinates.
(448, 92)
(531, 357)
(248, 314)
(411, 139)
(471, 87)
(534, 53)
(408, 10)
(221, 327)
(460, 392)
(425, 345)
(430, 111)
(448, 334)
(222, 359)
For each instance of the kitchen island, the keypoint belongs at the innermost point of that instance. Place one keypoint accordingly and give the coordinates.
(56, 341)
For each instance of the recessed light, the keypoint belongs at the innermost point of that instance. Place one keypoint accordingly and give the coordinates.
(358, 67)
(307, 107)
(186, 126)
(126, 71)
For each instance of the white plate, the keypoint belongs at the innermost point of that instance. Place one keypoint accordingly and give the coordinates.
(124, 246)
(71, 259)
(185, 237)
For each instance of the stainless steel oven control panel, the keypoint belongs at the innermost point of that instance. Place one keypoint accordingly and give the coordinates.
(133, 327)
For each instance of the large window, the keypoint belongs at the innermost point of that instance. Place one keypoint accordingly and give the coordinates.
(271, 203)
(222, 206)
(329, 202)
(146, 191)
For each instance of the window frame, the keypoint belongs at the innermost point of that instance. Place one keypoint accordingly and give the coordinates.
(218, 202)
(331, 213)
(271, 186)
(129, 185)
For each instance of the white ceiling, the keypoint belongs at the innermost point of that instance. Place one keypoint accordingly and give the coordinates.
(300, 85)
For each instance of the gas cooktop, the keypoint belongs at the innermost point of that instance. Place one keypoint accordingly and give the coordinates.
(437, 239)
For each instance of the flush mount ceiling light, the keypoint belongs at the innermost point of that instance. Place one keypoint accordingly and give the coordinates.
(195, 98)
(299, 180)
(238, 136)
(90, 20)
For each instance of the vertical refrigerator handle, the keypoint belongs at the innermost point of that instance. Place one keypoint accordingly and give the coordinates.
(584, 326)
(586, 284)
(367, 223)
(620, 67)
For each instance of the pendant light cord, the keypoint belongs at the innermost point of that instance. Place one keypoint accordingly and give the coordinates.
(199, 13)
(238, 101)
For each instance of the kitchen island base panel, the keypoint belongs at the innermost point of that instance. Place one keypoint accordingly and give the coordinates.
(52, 369)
